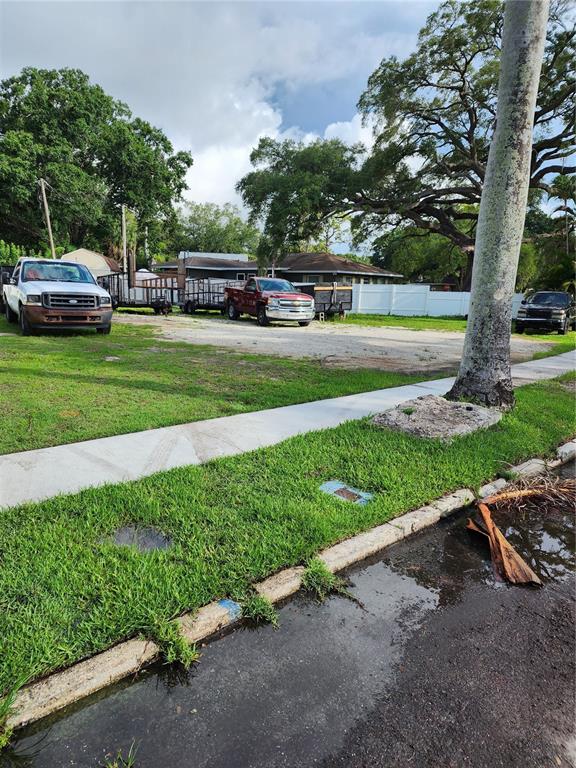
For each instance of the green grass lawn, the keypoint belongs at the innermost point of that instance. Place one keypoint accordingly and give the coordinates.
(558, 344)
(58, 389)
(66, 592)
(400, 321)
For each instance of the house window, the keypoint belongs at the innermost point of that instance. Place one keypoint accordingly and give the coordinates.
(313, 279)
(240, 275)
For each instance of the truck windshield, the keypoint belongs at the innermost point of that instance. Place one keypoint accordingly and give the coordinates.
(550, 299)
(270, 284)
(56, 272)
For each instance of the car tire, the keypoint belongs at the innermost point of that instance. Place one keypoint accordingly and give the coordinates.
(519, 328)
(562, 331)
(232, 311)
(25, 327)
(105, 330)
(11, 316)
(303, 323)
(261, 317)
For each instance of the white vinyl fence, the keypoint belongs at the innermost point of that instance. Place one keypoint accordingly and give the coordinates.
(413, 300)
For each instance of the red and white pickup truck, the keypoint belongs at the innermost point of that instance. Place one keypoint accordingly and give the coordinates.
(268, 298)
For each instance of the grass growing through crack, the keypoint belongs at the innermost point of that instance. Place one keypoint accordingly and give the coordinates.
(6, 706)
(59, 389)
(66, 591)
(320, 581)
(120, 761)
(257, 609)
(174, 647)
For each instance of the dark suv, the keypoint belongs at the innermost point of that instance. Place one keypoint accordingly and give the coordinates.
(551, 310)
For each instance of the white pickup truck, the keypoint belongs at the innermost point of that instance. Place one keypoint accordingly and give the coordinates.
(46, 293)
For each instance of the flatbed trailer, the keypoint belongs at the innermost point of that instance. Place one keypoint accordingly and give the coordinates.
(160, 293)
(329, 299)
(205, 293)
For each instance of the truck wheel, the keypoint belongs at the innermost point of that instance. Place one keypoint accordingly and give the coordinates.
(11, 317)
(232, 312)
(562, 331)
(261, 317)
(303, 323)
(25, 327)
(105, 330)
(519, 328)
(189, 308)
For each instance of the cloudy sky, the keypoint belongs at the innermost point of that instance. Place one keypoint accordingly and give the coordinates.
(216, 76)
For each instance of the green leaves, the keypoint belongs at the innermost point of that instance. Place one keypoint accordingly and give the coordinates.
(214, 229)
(433, 115)
(93, 153)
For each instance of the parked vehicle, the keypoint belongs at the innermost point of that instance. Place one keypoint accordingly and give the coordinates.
(268, 298)
(44, 293)
(548, 310)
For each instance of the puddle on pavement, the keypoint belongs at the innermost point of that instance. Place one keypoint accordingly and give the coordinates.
(286, 698)
(143, 539)
(545, 538)
(546, 541)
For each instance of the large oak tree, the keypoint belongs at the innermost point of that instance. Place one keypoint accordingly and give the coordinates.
(434, 115)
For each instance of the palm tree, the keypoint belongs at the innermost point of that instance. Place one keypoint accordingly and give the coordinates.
(484, 374)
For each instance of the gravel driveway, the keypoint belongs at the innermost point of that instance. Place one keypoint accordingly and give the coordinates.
(335, 344)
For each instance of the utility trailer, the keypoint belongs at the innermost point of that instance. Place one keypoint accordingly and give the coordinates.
(159, 293)
(332, 299)
(205, 293)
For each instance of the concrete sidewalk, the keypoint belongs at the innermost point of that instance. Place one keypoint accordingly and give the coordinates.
(46, 472)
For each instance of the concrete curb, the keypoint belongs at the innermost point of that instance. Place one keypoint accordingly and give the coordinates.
(127, 658)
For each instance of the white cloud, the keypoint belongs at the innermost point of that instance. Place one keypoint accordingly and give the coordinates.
(351, 132)
(208, 73)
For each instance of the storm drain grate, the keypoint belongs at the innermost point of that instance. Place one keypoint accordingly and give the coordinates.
(345, 492)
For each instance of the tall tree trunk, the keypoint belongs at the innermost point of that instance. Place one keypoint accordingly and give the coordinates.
(484, 374)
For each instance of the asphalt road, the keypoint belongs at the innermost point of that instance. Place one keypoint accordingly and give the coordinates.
(437, 667)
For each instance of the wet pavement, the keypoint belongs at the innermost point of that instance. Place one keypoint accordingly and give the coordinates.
(436, 665)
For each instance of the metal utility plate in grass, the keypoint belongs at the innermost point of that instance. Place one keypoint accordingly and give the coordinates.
(345, 492)
(144, 539)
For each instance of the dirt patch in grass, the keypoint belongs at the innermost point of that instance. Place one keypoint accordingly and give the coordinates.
(436, 417)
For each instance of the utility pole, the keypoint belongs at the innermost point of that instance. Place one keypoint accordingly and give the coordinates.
(124, 250)
(42, 184)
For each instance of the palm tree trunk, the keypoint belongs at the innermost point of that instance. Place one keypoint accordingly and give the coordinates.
(484, 374)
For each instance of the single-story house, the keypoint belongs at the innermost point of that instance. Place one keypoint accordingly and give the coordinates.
(314, 268)
(331, 268)
(227, 269)
(97, 263)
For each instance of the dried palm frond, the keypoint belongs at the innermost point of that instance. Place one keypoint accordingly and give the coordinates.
(546, 493)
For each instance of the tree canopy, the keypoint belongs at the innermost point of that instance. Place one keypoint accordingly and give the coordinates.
(213, 228)
(94, 154)
(433, 116)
